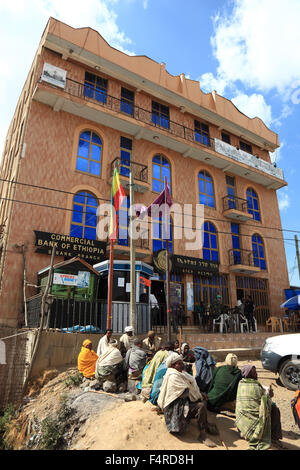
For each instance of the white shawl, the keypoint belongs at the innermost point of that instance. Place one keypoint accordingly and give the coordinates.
(102, 345)
(111, 357)
(127, 341)
(173, 386)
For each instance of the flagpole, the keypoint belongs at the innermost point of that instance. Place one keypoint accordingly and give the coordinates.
(167, 270)
(110, 285)
(132, 256)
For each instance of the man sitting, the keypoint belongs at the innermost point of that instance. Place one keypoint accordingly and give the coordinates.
(135, 360)
(181, 400)
(223, 387)
(104, 342)
(126, 340)
(87, 359)
(152, 343)
(109, 366)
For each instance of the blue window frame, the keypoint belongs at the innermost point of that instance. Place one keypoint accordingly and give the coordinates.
(89, 153)
(258, 252)
(202, 133)
(235, 230)
(95, 87)
(210, 242)
(161, 168)
(127, 101)
(230, 185)
(160, 115)
(206, 189)
(123, 222)
(252, 203)
(84, 216)
(125, 154)
(159, 234)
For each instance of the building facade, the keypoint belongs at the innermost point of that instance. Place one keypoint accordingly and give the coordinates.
(86, 108)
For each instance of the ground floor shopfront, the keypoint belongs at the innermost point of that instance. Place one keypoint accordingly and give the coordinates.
(197, 288)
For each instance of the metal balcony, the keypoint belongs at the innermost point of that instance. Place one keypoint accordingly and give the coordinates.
(236, 208)
(242, 261)
(140, 173)
(122, 247)
(120, 114)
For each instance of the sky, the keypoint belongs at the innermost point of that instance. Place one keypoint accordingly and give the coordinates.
(246, 50)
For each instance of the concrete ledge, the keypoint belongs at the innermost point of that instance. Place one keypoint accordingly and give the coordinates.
(242, 353)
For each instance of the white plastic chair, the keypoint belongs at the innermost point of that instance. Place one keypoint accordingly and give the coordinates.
(244, 324)
(221, 321)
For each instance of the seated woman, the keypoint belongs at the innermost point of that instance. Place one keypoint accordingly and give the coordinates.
(223, 387)
(149, 373)
(188, 358)
(87, 359)
(257, 418)
(109, 366)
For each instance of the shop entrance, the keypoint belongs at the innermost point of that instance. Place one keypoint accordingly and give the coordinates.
(158, 310)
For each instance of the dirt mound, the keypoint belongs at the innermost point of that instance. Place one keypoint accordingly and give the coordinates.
(108, 422)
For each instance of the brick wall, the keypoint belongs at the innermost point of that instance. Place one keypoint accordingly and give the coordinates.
(13, 373)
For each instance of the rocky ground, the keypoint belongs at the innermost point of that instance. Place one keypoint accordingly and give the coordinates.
(95, 420)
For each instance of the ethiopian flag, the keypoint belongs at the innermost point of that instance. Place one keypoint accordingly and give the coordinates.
(117, 197)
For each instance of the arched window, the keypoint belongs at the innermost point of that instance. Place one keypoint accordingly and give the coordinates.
(258, 252)
(206, 189)
(84, 217)
(210, 242)
(89, 153)
(252, 203)
(160, 168)
(160, 234)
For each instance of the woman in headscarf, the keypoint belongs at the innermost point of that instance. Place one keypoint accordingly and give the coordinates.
(181, 400)
(87, 359)
(257, 418)
(223, 387)
(188, 358)
(110, 364)
(149, 373)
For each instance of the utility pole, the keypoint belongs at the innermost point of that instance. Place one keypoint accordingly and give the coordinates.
(297, 253)
(132, 252)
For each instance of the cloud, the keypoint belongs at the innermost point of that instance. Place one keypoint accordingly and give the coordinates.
(283, 201)
(253, 106)
(257, 43)
(22, 25)
(277, 155)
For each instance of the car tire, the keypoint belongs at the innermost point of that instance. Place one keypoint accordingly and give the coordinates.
(289, 374)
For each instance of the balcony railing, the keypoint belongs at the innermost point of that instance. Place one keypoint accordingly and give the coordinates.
(236, 203)
(126, 108)
(120, 105)
(239, 256)
(140, 171)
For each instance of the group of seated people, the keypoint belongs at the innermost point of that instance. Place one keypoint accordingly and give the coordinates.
(164, 375)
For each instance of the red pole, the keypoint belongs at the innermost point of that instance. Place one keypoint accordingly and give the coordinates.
(110, 284)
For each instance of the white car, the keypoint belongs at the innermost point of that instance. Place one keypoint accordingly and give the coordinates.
(281, 354)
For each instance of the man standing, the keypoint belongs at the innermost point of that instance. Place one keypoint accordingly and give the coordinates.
(249, 313)
(180, 400)
(104, 342)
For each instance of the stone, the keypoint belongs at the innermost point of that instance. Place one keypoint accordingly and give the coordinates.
(109, 387)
